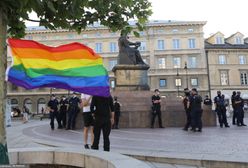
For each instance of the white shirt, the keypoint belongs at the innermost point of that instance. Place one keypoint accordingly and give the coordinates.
(86, 97)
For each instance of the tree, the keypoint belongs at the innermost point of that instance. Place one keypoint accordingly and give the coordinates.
(66, 14)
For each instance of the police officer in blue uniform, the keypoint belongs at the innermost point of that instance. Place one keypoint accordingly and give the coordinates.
(239, 105)
(63, 111)
(187, 109)
(73, 110)
(53, 109)
(220, 109)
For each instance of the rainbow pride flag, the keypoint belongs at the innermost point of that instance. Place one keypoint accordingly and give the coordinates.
(73, 66)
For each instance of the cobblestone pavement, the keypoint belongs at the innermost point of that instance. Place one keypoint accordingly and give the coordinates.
(213, 143)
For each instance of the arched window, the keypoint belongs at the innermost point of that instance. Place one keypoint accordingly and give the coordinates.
(28, 104)
(41, 106)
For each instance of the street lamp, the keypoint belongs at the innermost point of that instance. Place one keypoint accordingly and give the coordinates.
(177, 82)
(186, 71)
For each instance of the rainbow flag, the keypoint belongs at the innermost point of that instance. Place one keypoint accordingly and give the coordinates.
(74, 67)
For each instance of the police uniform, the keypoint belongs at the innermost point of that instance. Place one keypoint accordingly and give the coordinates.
(221, 110)
(63, 111)
(53, 105)
(73, 111)
(239, 104)
(117, 110)
(156, 111)
(234, 118)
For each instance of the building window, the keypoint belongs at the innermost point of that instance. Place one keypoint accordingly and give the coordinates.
(178, 82)
(85, 36)
(242, 59)
(70, 36)
(238, 40)
(219, 40)
(161, 63)
(191, 43)
(162, 83)
(112, 84)
(192, 62)
(223, 77)
(112, 63)
(222, 59)
(13, 87)
(113, 47)
(98, 47)
(29, 37)
(175, 30)
(176, 43)
(243, 78)
(98, 34)
(194, 82)
(190, 30)
(176, 62)
(161, 45)
(142, 46)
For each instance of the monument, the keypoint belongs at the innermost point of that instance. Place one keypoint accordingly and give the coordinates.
(133, 91)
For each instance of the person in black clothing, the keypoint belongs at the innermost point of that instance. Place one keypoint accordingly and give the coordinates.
(239, 105)
(207, 101)
(73, 110)
(63, 111)
(53, 109)
(117, 110)
(156, 109)
(103, 110)
(187, 109)
(194, 103)
(234, 118)
(220, 109)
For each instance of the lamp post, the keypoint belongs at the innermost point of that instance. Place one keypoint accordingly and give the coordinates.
(186, 71)
(177, 82)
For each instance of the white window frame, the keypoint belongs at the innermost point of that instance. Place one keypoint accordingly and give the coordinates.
(161, 45)
(192, 62)
(176, 62)
(161, 63)
(165, 83)
(113, 47)
(222, 59)
(242, 59)
(224, 78)
(244, 77)
(99, 47)
(191, 43)
(176, 43)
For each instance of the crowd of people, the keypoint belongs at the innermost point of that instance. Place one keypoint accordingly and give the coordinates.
(192, 105)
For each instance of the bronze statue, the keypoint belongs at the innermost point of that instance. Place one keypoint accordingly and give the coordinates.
(128, 52)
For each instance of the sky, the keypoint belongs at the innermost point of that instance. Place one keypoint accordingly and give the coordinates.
(226, 16)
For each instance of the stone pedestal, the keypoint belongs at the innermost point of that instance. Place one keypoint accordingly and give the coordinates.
(131, 77)
(136, 111)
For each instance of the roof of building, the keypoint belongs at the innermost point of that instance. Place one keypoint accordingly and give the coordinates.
(132, 23)
(225, 46)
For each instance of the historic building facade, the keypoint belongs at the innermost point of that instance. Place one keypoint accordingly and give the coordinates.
(173, 49)
(227, 64)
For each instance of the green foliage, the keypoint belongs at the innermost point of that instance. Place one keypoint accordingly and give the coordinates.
(75, 14)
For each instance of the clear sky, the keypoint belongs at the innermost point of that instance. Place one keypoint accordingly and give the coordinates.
(226, 16)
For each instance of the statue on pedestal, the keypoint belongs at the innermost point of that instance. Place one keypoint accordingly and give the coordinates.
(128, 52)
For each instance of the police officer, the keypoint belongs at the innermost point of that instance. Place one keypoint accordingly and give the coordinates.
(63, 110)
(156, 109)
(207, 101)
(234, 118)
(73, 110)
(220, 109)
(117, 110)
(53, 109)
(194, 103)
(239, 105)
(187, 109)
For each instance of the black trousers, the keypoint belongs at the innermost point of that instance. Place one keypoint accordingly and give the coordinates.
(196, 119)
(53, 115)
(188, 119)
(240, 116)
(157, 112)
(221, 112)
(116, 123)
(62, 117)
(105, 127)
(72, 119)
(234, 117)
